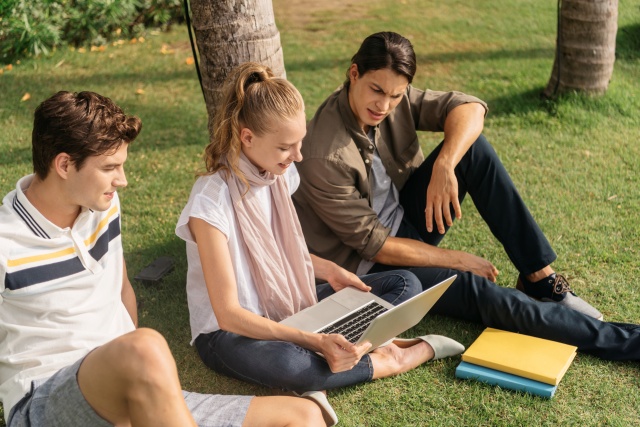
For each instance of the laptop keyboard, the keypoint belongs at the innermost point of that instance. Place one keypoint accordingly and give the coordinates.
(353, 326)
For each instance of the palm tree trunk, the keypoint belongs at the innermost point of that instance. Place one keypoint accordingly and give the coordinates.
(229, 33)
(586, 46)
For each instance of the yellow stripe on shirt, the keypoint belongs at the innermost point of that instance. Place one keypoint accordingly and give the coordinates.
(101, 225)
(63, 252)
(36, 258)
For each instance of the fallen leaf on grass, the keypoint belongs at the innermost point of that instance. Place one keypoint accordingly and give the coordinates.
(165, 50)
(189, 60)
(9, 67)
(139, 91)
(25, 97)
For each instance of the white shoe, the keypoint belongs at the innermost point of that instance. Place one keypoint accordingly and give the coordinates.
(329, 415)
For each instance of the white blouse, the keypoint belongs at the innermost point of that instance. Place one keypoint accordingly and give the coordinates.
(211, 202)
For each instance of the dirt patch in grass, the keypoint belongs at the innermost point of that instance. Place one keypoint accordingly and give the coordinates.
(302, 13)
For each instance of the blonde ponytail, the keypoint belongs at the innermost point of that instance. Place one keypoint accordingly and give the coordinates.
(252, 98)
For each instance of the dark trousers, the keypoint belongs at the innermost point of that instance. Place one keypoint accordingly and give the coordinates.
(481, 174)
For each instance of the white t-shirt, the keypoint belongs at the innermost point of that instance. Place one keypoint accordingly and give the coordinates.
(60, 290)
(211, 202)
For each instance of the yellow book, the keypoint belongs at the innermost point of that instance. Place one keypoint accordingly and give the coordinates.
(529, 357)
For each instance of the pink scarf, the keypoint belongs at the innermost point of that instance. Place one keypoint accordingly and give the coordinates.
(277, 253)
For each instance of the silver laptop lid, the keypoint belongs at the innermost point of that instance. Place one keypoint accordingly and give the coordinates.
(404, 316)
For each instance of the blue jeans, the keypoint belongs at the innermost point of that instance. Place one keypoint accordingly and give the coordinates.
(287, 366)
(481, 174)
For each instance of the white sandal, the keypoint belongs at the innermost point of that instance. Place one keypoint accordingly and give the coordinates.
(329, 415)
(442, 346)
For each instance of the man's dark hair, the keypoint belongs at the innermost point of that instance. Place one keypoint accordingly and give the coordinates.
(81, 124)
(385, 50)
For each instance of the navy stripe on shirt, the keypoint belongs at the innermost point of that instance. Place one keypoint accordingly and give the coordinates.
(102, 244)
(44, 273)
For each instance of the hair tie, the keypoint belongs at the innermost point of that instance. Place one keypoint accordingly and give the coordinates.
(253, 78)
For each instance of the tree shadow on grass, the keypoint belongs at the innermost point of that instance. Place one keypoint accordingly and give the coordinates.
(486, 55)
(627, 49)
(521, 104)
(628, 42)
(515, 104)
(159, 117)
(323, 62)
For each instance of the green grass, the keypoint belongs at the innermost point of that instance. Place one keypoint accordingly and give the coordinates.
(574, 161)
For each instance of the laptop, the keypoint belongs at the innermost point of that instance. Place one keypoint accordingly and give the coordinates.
(361, 316)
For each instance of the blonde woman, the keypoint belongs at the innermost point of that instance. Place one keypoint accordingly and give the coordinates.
(249, 266)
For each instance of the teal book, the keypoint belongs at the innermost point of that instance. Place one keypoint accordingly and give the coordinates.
(490, 376)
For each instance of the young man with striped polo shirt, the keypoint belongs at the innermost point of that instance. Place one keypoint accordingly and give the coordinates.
(71, 354)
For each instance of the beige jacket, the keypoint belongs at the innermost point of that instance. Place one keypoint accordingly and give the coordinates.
(333, 200)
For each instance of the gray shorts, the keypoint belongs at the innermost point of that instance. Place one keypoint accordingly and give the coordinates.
(58, 402)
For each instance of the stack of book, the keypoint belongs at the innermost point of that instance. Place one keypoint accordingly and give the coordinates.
(517, 362)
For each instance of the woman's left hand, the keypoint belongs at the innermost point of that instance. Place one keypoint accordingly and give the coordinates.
(341, 278)
(336, 276)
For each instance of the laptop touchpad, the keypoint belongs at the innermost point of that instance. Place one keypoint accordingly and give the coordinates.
(316, 317)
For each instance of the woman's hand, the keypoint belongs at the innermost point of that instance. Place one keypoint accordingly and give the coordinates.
(342, 278)
(336, 276)
(341, 355)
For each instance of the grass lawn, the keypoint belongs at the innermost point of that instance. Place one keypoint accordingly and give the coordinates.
(572, 161)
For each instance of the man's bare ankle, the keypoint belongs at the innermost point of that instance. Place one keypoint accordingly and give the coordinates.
(540, 274)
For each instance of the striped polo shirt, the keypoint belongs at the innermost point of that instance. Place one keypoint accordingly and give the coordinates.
(60, 290)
